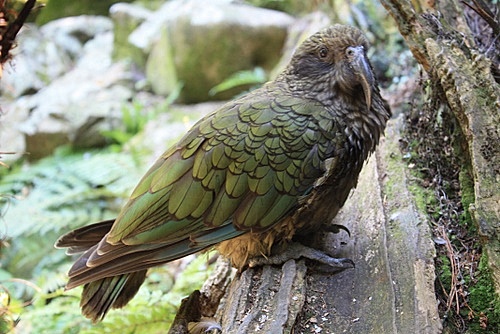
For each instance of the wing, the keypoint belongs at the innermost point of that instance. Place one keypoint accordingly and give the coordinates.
(244, 164)
(241, 168)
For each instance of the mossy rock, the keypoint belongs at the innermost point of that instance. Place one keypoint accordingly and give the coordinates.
(202, 44)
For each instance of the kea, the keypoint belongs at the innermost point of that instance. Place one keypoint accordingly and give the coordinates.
(246, 177)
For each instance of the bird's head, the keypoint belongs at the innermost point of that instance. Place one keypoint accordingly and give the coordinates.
(334, 59)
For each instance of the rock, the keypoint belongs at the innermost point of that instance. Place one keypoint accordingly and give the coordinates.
(81, 111)
(201, 44)
(148, 32)
(46, 53)
(75, 107)
(73, 32)
(12, 143)
(42, 143)
(161, 72)
(37, 60)
(126, 18)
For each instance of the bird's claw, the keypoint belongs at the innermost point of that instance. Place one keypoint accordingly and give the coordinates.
(296, 250)
(335, 228)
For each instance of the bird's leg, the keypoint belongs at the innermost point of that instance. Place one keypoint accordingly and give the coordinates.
(295, 250)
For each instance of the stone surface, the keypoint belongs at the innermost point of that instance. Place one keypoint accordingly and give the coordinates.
(37, 60)
(11, 139)
(80, 99)
(126, 18)
(204, 43)
(43, 54)
(79, 28)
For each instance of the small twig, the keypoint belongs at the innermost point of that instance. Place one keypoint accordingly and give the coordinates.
(3, 164)
(12, 30)
(453, 294)
(482, 10)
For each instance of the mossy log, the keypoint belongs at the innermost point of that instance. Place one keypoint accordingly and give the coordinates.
(443, 44)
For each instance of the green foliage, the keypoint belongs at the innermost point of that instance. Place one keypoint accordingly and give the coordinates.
(484, 302)
(468, 198)
(59, 193)
(240, 78)
(425, 199)
(134, 120)
(150, 4)
(445, 272)
(288, 6)
(65, 191)
(9, 307)
(151, 311)
(56, 9)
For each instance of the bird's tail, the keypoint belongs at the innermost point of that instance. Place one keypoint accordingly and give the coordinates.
(121, 269)
(100, 296)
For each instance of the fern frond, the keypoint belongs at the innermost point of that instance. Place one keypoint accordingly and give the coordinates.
(61, 193)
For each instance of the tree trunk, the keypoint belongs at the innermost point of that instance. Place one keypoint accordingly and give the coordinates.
(442, 43)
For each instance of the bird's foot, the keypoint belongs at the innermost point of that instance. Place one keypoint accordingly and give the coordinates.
(296, 250)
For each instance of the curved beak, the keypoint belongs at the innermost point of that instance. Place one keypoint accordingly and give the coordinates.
(363, 71)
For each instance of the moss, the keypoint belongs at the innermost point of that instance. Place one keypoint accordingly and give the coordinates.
(483, 301)
(393, 182)
(467, 197)
(465, 179)
(425, 200)
(444, 272)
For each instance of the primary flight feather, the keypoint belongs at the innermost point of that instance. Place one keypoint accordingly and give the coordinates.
(238, 178)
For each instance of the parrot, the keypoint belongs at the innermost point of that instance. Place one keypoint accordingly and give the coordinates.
(246, 177)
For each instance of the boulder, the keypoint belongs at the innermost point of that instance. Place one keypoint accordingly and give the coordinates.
(203, 43)
(36, 61)
(44, 54)
(126, 18)
(75, 107)
(12, 144)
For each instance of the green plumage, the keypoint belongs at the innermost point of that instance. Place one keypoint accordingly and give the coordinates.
(241, 169)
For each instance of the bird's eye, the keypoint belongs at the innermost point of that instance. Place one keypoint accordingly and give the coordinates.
(323, 52)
